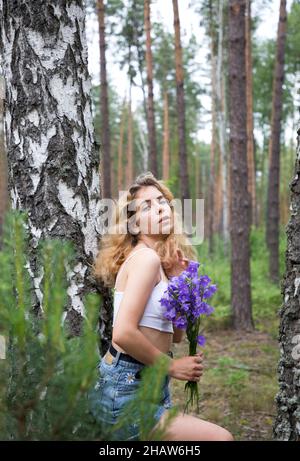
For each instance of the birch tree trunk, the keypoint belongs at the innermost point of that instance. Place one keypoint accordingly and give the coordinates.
(4, 199)
(52, 155)
(287, 422)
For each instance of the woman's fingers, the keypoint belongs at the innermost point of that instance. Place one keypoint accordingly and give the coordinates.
(198, 373)
(200, 354)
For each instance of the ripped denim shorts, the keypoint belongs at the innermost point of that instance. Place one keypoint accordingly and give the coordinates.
(118, 381)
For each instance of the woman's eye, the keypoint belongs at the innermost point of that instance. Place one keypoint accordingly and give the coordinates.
(164, 200)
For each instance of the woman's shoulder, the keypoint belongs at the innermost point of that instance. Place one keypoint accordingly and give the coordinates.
(141, 260)
(144, 265)
(149, 255)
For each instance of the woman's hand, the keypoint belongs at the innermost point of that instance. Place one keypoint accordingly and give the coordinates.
(187, 368)
(179, 266)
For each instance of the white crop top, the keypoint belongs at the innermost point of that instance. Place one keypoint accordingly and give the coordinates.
(153, 313)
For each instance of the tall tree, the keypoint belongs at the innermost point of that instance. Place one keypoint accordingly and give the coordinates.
(166, 142)
(214, 13)
(53, 159)
(221, 118)
(287, 421)
(150, 106)
(105, 127)
(129, 165)
(184, 180)
(250, 137)
(120, 148)
(164, 75)
(213, 145)
(239, 209)
(272, 234)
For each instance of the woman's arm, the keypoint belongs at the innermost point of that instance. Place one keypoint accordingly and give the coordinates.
(143, 270)
(178, 334)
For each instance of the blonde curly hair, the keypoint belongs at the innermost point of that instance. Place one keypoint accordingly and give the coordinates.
(114, 246)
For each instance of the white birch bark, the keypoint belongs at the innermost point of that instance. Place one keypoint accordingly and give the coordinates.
(52, 157)
(287, 422)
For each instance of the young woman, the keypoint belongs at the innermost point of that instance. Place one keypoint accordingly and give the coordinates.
(137, 263)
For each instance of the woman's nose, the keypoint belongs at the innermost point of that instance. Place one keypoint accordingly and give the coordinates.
(159, 208)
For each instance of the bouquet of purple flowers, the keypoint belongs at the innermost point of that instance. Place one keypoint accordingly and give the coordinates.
(184, 302)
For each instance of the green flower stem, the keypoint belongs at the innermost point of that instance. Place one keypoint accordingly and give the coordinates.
(191, 387)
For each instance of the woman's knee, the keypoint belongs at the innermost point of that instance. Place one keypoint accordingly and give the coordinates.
(226, 436)
(188, 427)
(212, 432)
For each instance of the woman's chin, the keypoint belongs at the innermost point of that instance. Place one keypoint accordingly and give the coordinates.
(166, 229)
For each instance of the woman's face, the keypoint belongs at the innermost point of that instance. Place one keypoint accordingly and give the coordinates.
(151, 207)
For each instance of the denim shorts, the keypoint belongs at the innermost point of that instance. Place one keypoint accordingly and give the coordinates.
(116, 385)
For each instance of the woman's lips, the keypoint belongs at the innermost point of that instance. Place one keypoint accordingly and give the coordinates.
(166, 218)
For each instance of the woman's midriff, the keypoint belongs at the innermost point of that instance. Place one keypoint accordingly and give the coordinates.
(160, 339)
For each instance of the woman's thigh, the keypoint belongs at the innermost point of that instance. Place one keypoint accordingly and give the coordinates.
(188, 427)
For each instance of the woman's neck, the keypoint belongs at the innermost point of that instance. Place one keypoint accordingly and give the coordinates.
(148, 242)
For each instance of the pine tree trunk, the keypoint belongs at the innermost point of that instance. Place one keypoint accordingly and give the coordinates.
(150, 112)
(250, 139)
(287, 422)
(198, 176)
(52, 155)
(212, 185)
(114, 184)
(218, 196)
(139, 45)
(129, 166)
(183, 165)
(274, 150)
(240, 222)
(263, 181)
(105, 128)
(120, 147)
(166, 147)
(220, 109)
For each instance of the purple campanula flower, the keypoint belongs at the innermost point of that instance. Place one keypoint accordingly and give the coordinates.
(181, 322)
(201, 340)
(184, 301)
(193, 266)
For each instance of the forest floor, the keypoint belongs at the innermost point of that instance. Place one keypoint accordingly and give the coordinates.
(239, 381)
